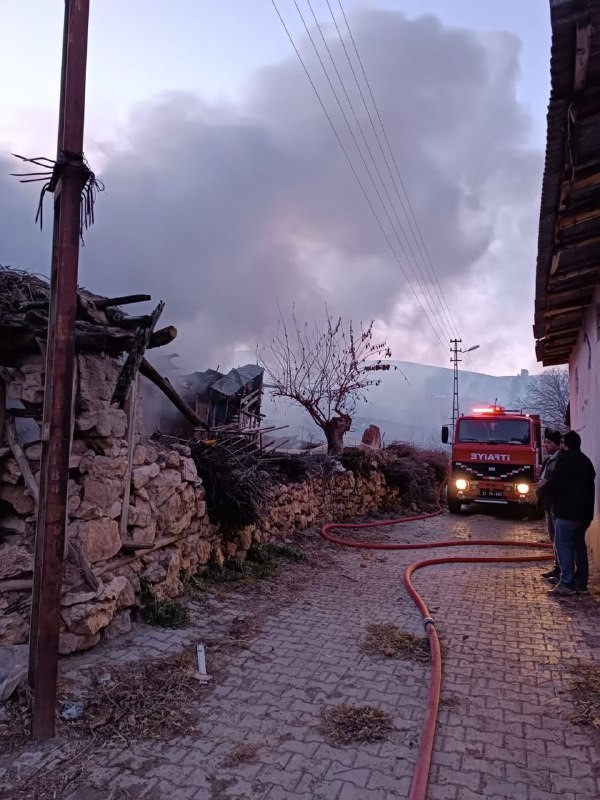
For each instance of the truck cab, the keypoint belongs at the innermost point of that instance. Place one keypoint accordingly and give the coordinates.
(496, 458)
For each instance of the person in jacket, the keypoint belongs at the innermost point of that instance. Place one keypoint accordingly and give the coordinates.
(570, 490)
(552, 442)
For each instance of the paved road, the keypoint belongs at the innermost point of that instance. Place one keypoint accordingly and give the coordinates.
(504, 731)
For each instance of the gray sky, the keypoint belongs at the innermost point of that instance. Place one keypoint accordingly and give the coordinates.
(227, 192)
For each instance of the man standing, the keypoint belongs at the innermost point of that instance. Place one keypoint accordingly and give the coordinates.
(552, 442)
(571, 488)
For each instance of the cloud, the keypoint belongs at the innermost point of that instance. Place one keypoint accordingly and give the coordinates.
(223, 211)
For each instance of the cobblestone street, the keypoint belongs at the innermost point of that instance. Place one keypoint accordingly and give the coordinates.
(504, 730)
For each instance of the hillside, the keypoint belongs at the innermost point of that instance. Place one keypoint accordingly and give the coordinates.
(411, 404)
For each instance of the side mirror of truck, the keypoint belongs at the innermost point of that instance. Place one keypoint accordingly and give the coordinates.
(445, 434)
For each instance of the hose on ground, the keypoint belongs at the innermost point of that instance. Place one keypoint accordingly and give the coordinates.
(418, 788)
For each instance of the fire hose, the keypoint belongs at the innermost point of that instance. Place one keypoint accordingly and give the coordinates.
(418, 788)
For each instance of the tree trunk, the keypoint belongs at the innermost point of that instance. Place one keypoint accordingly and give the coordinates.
(334, 430)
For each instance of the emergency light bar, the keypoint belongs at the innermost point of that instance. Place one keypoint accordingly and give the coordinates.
(489, 410)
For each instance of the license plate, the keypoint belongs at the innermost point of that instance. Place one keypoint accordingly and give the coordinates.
(491, 493)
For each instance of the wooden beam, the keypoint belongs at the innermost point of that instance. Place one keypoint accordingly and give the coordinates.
(2, 409)
(21, 459)
(554, 312)
(125, 300)
(162, 337)
(572, 274)
(589, 182)
(583, 38)
(578, 218)
(148, 371)
(136, 354)
(16, 585)
(554, 332)
(130, 407)
(77, 557)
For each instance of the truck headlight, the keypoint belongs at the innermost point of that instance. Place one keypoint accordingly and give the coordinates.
(461, 484)
(522, 488)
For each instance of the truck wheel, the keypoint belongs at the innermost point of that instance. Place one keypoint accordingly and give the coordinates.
(454, 506)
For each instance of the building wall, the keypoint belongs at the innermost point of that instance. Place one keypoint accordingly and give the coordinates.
(584, 380)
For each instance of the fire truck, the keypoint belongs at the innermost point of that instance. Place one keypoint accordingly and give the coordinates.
(496, 458)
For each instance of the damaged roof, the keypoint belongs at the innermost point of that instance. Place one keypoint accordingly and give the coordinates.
(568, 258)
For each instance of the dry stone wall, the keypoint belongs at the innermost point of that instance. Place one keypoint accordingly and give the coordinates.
(168, 532)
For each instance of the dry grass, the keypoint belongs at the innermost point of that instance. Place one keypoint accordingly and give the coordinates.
(134, 702)
(241, 754)
(385, 639)
(346, 724)
(585, 690)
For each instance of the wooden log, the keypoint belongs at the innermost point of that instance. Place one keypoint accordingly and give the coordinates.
(21, 459)
(131, 407)
(2, 409)
(76, 556)
(100, 303)
(162, 337)
(129, 323)
(33, 412)
(125, 300)
(16, 585)
(122, 562)
(136, 354)
(148, 371)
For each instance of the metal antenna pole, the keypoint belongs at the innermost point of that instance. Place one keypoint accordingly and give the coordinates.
(69, 178)
(455, 361)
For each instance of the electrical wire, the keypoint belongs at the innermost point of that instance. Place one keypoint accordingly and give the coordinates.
(347, 156)
(417, 271)
(426, 280)
(413, 222)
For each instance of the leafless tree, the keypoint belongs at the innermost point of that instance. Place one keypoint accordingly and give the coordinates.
(326, 369)
(547, 394)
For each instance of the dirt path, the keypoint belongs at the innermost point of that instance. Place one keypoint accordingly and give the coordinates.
(284, 651)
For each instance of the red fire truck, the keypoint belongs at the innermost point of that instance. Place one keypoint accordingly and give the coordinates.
(496, 458)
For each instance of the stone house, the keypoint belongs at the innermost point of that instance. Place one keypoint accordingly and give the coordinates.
(136, 509)
(567, 301)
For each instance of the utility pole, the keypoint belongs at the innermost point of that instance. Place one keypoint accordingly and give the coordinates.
(455, 361)
(68, 180)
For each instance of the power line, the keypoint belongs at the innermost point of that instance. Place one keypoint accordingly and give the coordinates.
(422, 284)
(347, 156)
(423, 281)
(418, 239)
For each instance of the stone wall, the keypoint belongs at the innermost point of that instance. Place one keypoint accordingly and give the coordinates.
(297, 506)
(166, 502)
(168, 532)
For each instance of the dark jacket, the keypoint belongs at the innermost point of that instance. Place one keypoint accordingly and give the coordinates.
(545, 501)
(571, 487)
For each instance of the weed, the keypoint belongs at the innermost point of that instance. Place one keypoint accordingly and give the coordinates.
(385, 639)
(586, 695)
(346, 724)
(162, 613)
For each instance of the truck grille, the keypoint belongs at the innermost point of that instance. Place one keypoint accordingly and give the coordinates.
(492, 472)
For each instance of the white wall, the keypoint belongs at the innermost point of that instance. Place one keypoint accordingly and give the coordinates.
(584, 380)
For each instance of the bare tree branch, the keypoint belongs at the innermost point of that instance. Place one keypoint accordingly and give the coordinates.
(324, 368)
(547, 394)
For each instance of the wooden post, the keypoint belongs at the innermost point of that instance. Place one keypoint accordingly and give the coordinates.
(70, 176)
(131, 409)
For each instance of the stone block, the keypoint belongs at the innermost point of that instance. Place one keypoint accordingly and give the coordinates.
(163, 485)
(142, 475)
(88, 618)
(99, 538)
(102, 492)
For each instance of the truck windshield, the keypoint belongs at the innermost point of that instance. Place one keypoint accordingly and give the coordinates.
(494, 431)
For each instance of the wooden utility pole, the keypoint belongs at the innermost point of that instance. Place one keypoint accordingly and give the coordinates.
(69, 177)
